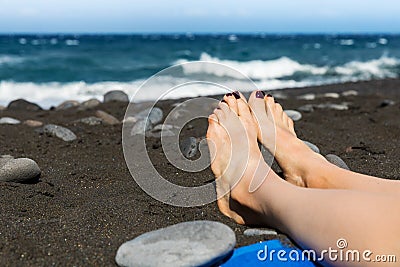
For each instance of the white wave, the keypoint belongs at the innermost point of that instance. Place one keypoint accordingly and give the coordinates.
(376, 68)
(255, 69)
(383, 41)
(347, 42)
(70, 42)
(8, 59)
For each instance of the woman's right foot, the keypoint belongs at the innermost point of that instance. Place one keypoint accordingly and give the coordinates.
(276, 133)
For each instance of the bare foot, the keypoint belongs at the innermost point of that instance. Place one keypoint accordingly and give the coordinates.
(276, 133)
(236, 160)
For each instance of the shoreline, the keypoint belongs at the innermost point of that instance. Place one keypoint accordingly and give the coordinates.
(86, 204)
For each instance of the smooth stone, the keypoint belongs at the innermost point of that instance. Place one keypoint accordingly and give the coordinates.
(350, 93)
(197, 243)
(164, 130)
(312, 146)
(387, 102)
(4, 159)
(91, 121)
(22, 104)
(279, 95)
(130, 120)
(258, 232)
(307, 108)
(67, 105)
(8, 120)
(59, 132)
(91, 103)
(155, 115)
(293, 114)
(331, 95)
(306, 97)
(141, 127)
(33, 123)
(19, 170)
(107, 118)
(189, 147)
(333, 106)
(2, 107)
(337, 161)
(116, 95)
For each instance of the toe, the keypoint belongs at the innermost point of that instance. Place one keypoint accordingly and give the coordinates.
(243, 107)
(219, 114)
(231, 102)
(257, 105)
(212, 119)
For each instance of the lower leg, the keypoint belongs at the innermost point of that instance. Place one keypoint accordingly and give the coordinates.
(316, 219)
(302, 166)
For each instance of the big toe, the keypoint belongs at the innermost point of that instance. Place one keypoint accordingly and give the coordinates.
(258, 107)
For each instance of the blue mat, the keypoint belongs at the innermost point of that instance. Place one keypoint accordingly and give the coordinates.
(268, 253)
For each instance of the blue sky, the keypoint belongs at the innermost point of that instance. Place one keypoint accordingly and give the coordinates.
(125, 16)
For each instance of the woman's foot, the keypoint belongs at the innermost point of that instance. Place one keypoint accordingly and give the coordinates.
(236, 160)
(276, 133)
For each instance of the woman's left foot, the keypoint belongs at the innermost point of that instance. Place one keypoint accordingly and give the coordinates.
(236, 160)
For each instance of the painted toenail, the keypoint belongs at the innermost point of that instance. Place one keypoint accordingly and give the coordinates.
(269, 95)
(260, 94)
(223, 101)
(228, 94)
(236, 94)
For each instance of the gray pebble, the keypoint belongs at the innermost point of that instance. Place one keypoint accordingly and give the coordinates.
(67, 105)
(293, 114)
(312, 146)
(197, 243)
(350, 93)
(155, 116)
(189, 147)
(19, 170)
(107, 118)
(306, 97)
(331, 95)
(259, 232)
(4, 159)
(337, 161)
(342, 106)
(60, 132)
(141, 127)
(91, 121)
(33, 123)
(307, 108)
(8, 120)
(91, 103)
(387, 102)
(116, 95)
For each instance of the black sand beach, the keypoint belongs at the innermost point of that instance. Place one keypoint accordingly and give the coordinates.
(86, 203)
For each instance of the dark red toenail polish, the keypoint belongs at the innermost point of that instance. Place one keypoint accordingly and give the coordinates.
(236, 94)
(223, 101)
(269, 95)
(228, 94)
(260, 94)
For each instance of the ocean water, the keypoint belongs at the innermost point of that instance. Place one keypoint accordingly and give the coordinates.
(49, 69)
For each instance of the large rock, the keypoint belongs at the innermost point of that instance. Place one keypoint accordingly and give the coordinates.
(89, 104)
(198, 243)
(8, 120)
(107, 118)
(18, 170)
(67, 105)
(22, 104)
(116, 95)
(60, 132)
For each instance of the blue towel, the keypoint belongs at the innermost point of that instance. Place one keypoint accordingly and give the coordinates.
(268, 253)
